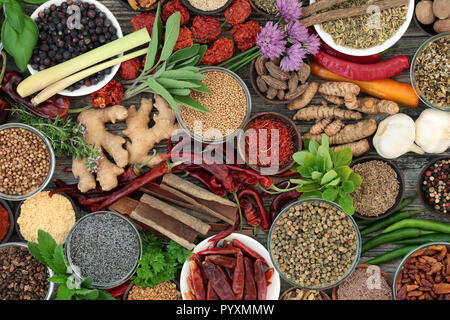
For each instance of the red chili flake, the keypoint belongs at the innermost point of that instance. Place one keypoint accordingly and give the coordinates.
(205, 29)
(244, 35)
(111, 94)
(240, 10)
(173, 6)
(143, 20)
(184, 39)
(221, 50)
(130, 69)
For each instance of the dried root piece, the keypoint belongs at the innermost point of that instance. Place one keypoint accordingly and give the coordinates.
(274, 82)
(340, 89)
(276, 72)
(322, 112)
(334, 127)
(305, 98)
(297, 92)
(96, 133)
(260, 65)
(358, 148)
(339, 101)
(320, 126)
(373, 106)
(271, 93)
(261, 84)
(303, 73)
(350, 133)
(143, 138)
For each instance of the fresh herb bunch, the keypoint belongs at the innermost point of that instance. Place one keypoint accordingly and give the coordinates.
(52, 255)
(65, 136)
(19, 32)
(326, 174)
(160, 261)
(174, 74)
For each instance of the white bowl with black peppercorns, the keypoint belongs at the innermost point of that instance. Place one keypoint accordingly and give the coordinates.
(27, 161)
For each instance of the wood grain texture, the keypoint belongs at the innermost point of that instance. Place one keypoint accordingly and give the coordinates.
(410, 164)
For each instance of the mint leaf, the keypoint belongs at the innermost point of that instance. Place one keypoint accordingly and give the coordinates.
(35, 251)
(58, 279)
(88, 294)
(47, 246)
(104, 295)
(64, 293)
(58, 261)
(87, 282)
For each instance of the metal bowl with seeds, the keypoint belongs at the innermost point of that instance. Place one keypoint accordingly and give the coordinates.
(314, 244)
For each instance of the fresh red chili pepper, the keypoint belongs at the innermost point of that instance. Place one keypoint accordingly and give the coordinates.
(363, 72)
(226, 232)
(250, 212)
(239, 276)
(198, 283)
(218, 251)
(210, 293)
(221, 260)
(4, 111)
(56, 106)
(260, 279)
(134, 185)
(281, 200)
(249, 252)
(250, 286)
(263, 214)
(219, 281)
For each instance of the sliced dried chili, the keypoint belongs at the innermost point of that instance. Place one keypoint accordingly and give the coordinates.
(111, 94)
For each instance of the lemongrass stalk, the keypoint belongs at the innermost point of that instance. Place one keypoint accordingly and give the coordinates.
(56, 87)
(44, 78)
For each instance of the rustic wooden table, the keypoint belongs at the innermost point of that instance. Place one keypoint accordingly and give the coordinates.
(410, 164)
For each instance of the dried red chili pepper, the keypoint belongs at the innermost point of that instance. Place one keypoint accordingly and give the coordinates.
(184, 39)
(195, 257)
(119, 291)
(263, 214)
(249, 252)
(225, 233)
(198, 283)
(250, 286)
(111, 94)
(219, 281)
(205, 29)
(269, 274)
(210, 293)
(240, 10)
(129, 69)
(244, 35)
(250, 213)
(239, 276)
(221, 260)
(143, 20)
(56, 106)
(216, 251)
(4, 111)
(252, 177)
(260, 279)
(173, 6)
(221, 50)
(281, 200)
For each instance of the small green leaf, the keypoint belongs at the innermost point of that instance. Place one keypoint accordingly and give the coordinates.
(309, 188)
(317, 176)
(87, 283)
(177, 84)
(343, 172)
(330, 194)
(182, 75)
(325, 142)
(356, 179)
(330, 175)
(159, 89)
(201, 53)
(306, 172)
(47, 246)
(309, 160)
(348, 186)
(302, 181)
(346, 203)
(312, 194)
(172, 32)
(184, 54)
(190, 103)
(105, 295)
(192, 62)
(320, 163)
(89, 294)
(58, 279)
(180, 92)
(343, 157)
(201, 87)
(299, 156)
(334, 183)
(313, 146)
(64, 293)
(59, 262)
(14, 14)
(35, 251)
(36, 1)
(325, 153)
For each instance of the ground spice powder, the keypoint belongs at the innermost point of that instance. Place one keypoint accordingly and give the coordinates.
(358, 286)
(162, 291)
(4, 222)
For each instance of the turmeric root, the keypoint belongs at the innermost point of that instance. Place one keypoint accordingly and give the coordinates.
(339, 101)
(350, 133)
(334, 127)
(319, 126)
(96, 133)
(143, 138)
(340, 89)
(322, 112)
(371, 105)
(305, 98)
(358, 148)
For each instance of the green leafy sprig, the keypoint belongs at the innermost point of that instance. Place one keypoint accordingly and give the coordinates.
(19, 32)
(174, 74)
(326, 174)
(160, 261)
(52, 255)
(65, 136)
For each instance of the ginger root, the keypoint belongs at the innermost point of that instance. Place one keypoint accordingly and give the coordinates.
(305, 98)
(373, 106)
(143, 138)
(96, 133)
(350, 133)
(358, 148)
(322, 112)
(334, 127)
(320, 126)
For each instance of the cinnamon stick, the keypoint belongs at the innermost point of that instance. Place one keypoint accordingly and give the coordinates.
(177, 214)
(319, 6)
(350, 12)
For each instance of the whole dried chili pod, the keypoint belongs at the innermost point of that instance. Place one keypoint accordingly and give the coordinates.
(4, 111)
(263, 214)
(226, 232)
(252, 176)
(281, 200)
(218, 251)
(221, 260)
(210, 293)
(219, 281)
(250, 286)
(56, 106)
(250, 213)
(198, 283)
(249, 252)
(239, 276)
(260, 279)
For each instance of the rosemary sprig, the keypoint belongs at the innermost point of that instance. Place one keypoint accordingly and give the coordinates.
(65, 136)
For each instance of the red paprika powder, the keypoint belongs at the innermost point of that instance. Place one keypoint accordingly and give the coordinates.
(221, 50)
(4, 222)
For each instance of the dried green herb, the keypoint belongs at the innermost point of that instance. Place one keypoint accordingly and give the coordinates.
(266, 5)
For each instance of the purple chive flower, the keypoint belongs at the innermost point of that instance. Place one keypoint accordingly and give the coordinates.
(297, 33)
(312, 44)
(293, 58)
(271, 41)
(290, 10)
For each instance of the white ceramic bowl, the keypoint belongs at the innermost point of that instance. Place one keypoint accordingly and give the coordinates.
(273, 291)
(84, 90)
(326, 37)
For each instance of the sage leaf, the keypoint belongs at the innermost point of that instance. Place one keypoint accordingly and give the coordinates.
(159, 89)
(201, 87)
(172, 32)
(180, 91)
(184, 54)
(190, 103)
(155, 41)
(182, 75)
(177, 84)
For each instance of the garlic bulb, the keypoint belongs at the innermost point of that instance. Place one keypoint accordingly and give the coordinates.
(433, 131)
(395, 136)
